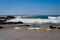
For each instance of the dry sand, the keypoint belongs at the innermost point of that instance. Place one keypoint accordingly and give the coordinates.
(14, 34)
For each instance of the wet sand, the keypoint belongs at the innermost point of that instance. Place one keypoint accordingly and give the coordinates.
(29, 35)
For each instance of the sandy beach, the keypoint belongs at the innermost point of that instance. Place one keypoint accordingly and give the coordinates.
(14, 34)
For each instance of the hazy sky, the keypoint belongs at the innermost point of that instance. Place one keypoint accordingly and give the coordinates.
(29, 7)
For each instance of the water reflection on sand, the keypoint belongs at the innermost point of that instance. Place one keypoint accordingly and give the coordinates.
(29, 35)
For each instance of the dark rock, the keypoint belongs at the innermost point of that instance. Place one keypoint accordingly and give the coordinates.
(58, 28)
(3, 17)
(20, 22)
(26, 25)
(14, 22)
(11, 22)
(1, 27)
(10, 17)
(2, 21)
(52, 27)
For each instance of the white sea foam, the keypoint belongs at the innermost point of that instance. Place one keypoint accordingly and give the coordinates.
(50, 19)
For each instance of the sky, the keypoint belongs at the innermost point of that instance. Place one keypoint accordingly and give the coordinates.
(29, 7)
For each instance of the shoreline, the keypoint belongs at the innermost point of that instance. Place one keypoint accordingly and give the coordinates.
(29, 28)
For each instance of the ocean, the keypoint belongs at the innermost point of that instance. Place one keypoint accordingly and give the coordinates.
(42, 20)
(36, 21)
(41, 16)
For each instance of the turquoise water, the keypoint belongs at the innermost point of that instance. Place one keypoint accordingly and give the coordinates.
(41, 16)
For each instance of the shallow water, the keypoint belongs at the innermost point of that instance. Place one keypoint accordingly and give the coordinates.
(29, 35)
